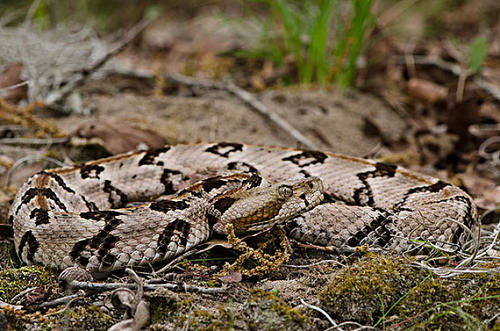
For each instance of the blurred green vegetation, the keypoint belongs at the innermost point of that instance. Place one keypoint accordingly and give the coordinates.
(105, 16)
(477, 53)
(324, 37)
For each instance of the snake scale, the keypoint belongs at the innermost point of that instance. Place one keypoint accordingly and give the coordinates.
(82, 215)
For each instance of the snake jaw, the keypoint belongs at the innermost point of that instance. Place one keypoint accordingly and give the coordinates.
(260, 208)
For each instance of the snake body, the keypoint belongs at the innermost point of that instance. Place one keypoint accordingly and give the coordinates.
(77, 215)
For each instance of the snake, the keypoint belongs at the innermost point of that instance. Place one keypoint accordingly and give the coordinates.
(148, 206)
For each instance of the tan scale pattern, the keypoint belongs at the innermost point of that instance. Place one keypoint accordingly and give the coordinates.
(75, 216)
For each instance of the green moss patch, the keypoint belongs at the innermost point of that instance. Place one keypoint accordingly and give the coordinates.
(468, 302)
(13, 281)
(384, 291)
(364, 291)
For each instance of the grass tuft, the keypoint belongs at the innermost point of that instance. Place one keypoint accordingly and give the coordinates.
(323, 42)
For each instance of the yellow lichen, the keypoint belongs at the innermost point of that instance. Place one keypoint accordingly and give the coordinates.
(265, 263)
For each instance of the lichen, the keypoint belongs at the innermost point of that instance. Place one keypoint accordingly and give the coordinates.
(264, 263)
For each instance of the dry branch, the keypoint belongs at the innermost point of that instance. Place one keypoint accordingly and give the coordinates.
(147, 286)
(248, 99)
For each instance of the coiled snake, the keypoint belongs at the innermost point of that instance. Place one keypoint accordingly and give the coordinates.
(77, 216)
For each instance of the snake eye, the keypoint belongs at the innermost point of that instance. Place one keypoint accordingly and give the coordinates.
(285, 191)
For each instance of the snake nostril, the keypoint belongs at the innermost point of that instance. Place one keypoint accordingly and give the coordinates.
(303, 196)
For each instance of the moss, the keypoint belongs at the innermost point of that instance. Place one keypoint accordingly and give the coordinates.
(278, 305)
(7, 256)
(261, 310)
(465, 302)
(364, 291)
(82, 318)
(13, 281)
(78, 318)
(168, 309)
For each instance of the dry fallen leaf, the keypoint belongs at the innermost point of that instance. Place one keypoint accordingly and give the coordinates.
(426, 91)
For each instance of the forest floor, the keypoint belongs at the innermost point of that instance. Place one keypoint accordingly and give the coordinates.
(423, 111)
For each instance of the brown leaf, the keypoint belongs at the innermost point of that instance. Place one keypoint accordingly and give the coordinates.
(12, 76)
(490, 110)
(426, 91)
(119, 137)
(36, 296)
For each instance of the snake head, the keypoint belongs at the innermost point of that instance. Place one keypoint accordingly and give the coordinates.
(260, 208)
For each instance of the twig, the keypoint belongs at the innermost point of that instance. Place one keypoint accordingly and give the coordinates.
(240, 93)
(339, 250)
(12, 87)
(358, 326)
(31, 12)
(22, 293)
(147, 286)
(56, 98)
(247, 98)
(140, 284)
(34, 141)
(66, 306)
(176, 260)
(58, 301)
(312, 264)
(30, 158)
(322, 312)
(9, 306)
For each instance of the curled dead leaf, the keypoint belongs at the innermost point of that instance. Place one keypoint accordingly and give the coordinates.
(426, 91)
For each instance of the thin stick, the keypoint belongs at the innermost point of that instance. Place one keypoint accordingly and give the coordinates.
(240, 93)
(147, 286)
(248, 99)
(312, 264)
(9, 306)
(140, 284)
(22, 293)
(86, 72)
(176, 260)
(34, 141)
(332, 322)
(58, 301)
(12, 87)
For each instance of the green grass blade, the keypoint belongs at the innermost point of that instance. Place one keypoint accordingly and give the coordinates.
(478, 51)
